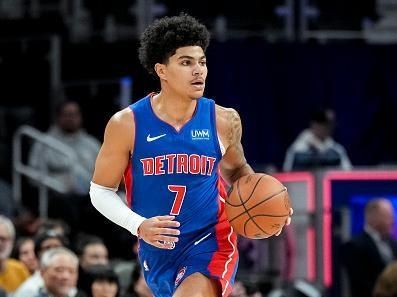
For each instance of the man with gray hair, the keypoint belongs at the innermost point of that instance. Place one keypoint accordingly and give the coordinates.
(59, 269)
(12, 272)
(365, 256)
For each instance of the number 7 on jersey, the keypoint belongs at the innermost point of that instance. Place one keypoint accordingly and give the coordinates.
(180, 192)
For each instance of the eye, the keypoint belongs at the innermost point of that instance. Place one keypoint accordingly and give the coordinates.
(185, 62)
(203, 63)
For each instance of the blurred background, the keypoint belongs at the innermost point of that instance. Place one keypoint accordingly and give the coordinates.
(284, 65)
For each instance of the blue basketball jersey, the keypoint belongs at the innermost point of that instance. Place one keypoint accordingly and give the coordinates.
(176, 172)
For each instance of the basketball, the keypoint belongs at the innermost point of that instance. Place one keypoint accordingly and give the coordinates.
(257, 206)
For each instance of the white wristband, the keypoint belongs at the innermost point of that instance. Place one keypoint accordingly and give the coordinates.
(109, 204)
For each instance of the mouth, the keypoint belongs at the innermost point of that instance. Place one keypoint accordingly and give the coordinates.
(198, 84)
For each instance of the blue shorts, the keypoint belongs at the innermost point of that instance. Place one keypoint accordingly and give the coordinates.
(212, 253)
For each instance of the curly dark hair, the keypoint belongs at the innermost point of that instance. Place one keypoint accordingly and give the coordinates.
(161, 39)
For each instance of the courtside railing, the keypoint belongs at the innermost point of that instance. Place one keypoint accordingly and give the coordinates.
(40, 176)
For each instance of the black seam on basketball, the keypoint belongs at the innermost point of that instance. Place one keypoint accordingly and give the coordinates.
(247, 210)
(252, 192)
(242, 203)
(258, 226)
(239, 194)
(251, 218)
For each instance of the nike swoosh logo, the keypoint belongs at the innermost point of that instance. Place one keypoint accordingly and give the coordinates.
(201, 239)
(150, 139)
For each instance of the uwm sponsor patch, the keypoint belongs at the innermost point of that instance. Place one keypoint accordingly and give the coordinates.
(200, 134)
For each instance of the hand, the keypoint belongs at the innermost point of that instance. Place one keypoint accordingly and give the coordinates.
(291, 212)
(157, 230)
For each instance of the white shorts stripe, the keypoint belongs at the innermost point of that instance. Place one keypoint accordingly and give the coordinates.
(229, 260)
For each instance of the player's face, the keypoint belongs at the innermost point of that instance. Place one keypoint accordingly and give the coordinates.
(186, 72)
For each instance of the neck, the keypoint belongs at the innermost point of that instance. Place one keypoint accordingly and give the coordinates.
(173, 109)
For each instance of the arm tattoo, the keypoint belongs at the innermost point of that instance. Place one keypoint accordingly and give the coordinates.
(235, 127)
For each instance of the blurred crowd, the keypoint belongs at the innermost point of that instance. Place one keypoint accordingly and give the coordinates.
(47, 263)
(80, 254)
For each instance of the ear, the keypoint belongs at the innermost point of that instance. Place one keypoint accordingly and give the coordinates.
(160, 70)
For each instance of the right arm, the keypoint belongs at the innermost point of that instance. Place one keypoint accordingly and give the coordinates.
(115, 151)
(110, 165)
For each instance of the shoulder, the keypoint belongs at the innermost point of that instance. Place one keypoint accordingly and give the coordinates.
(12, 263)
(362, 240)
(302, 142)
(120, 129)
(339, 148)
(224, 113)
(228, 124)
(17, 267)
(30, 286)
(122, 120)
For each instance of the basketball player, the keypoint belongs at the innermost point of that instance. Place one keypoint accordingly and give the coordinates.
(172, 148)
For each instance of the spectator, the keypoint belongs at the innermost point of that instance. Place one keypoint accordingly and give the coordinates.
(91, 251)
(12, 272)
(386, 284)
(59, 270)
(68, 130)
(365, 256)
(315, 147)
(24, 252)
(26, 222)
(48, 240)
(54, 225)
(75, 176)
(102, 282)
(42, 242)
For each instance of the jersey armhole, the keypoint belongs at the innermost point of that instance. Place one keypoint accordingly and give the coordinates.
(135, 130)
(221, 146)
(217, 140)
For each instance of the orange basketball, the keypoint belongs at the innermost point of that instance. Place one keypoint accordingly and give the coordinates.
(258, 206)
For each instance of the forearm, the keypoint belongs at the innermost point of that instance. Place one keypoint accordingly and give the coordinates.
(232, 175)
(109, 204)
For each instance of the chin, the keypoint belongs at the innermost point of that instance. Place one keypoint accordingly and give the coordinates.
(196, 95)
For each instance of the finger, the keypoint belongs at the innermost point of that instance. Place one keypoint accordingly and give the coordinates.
(167, 231)
(159, 244)
(288, 221)
(165, 218)
(165, 224)
(165, 238)
(291, 211)
(169, 245)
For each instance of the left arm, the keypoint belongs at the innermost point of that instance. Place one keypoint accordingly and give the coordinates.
(233, 164)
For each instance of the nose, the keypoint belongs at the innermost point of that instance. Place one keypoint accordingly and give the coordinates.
(197, 70)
